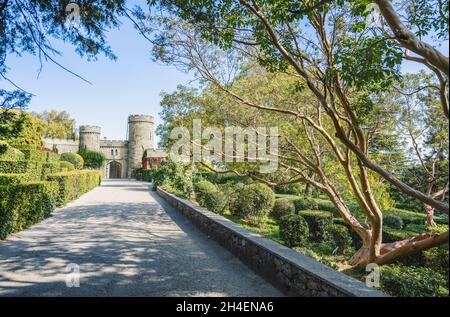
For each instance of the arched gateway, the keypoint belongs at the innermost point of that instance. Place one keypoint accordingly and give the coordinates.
(115, 169)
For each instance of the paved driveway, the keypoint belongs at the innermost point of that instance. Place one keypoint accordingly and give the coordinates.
(126, 241)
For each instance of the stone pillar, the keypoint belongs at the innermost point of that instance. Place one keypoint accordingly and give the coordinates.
(90, 137)
(140, 138)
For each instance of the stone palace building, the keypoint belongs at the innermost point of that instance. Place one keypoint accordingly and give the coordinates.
(122, 156)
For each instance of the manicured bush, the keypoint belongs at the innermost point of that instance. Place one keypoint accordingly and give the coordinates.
(208, 195)
(319, 223)
(411, 281)
(356, 240)
(393, 221)
(144, 175)
(65, 166)
(50, 168)
(305, 203)
(282, 207)
(340, 238)
(52, 157)
(294, 230)
(73, 184)
(74, 158)
(13, 179)
(176, 177)
(326, 205)
(33, 154)
(292, 189)
(9, 153)
(92, 159)
(34, 169)
(253, 202)
(25, 204)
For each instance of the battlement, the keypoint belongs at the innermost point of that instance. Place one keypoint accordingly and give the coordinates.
(113, 143)
(90, 129)
(140, 118)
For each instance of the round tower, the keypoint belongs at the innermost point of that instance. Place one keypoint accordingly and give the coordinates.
(90, 137)
(140, 138)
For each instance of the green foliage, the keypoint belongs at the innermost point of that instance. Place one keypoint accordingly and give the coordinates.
(175, 177)
(92, 159)
(292, 189)
(393, 221)
(22, 205)
(208, 195)
(319, 223)
(20, 127)
(74, 158)
(32, 153)
(411, 281)
(9, 153)
(282, 207)
(65, 166)
(144, 175)
(340, 238)
(294, 230)
(326, 205)
(305, 203)
(13, 179)
(253, 202)
(73, 184)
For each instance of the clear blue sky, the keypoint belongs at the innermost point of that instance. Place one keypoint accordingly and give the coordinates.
(130, 85)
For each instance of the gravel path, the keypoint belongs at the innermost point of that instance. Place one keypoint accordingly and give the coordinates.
(126, 241)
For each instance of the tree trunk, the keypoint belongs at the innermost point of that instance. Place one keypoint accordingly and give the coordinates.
(309, 189)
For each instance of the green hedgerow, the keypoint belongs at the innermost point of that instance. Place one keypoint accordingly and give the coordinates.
(294, 230)
(208, 195)
(305, 203)
(253, 203)
(393, 221)
(282, 207)
(411, 281)
(319, 223)
(74, 158)
(340, 238)
(92, 159)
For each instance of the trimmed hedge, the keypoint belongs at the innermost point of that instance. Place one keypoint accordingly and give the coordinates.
(34, 154)
(23, 205)
(319, 223)
(9, 153)
(340, 238)
(305, 204)
(75, 183)
(52, 157)
(282, 207)
(13, 179)
(65, 166)
(294, 230)
(74, 158)
(253, 202)
(208, 195)
(393, 221)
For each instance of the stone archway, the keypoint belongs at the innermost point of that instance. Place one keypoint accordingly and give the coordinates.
(115, 170)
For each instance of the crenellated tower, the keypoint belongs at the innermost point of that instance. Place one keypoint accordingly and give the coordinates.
(90, 137)
(140, 138)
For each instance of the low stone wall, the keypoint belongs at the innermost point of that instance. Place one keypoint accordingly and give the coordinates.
(291, 272)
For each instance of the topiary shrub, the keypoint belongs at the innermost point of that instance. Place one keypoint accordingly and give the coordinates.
(253, 202)
(411, 281)
(23, 205)
(13, 179)
(9, 153)
(340, 238)
(319, 223)
(73, 184)
(282, 207)
(393, 221)
(74, 158)
(326, 205)
(208, 195)
(305, 204)
(92, 159)
(294, 230)
(66, 166)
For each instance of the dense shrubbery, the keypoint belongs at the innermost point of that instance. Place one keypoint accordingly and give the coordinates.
(144, 175)
(175, 178)
(22, 205)
(209, 196)
(253, 203)
(305, 204)
(282, 207)
(73, 184)
(8, 153)
(412, 281)
(66, 166)
(340, 238)
(319, 223)
(92, 159)
(294, 230)
(74, 158)
(393, 221)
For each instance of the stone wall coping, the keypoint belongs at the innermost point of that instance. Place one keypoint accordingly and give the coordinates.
(345, 284)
